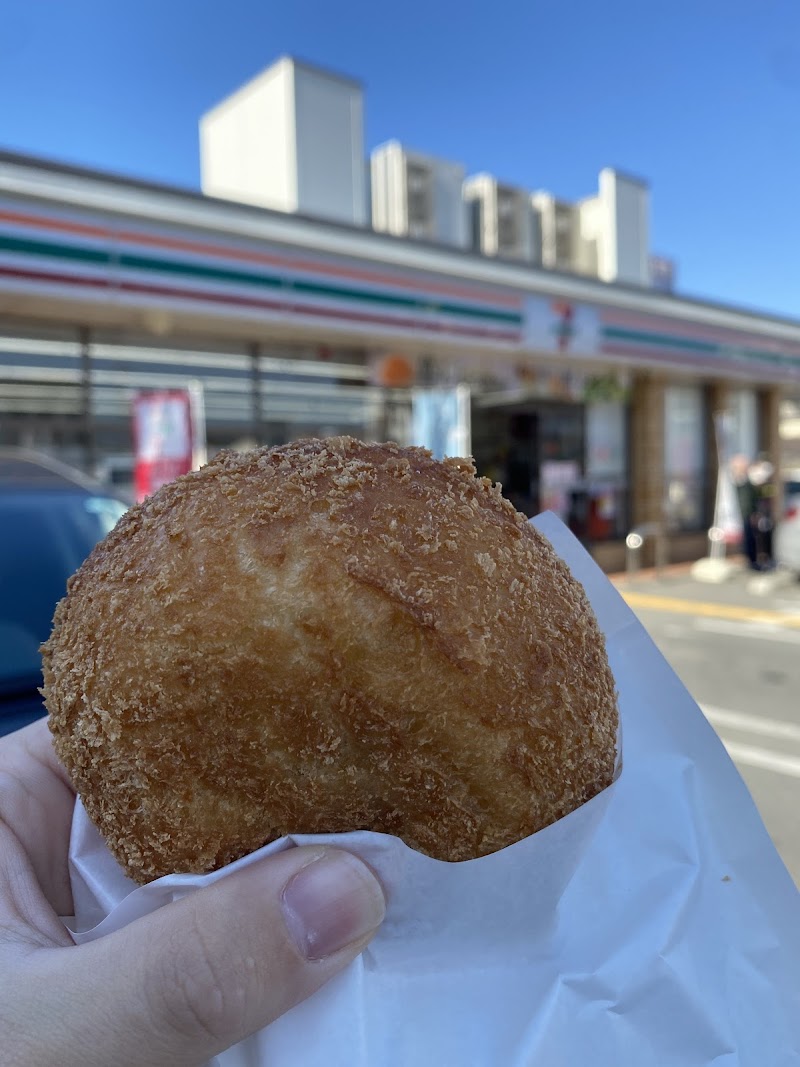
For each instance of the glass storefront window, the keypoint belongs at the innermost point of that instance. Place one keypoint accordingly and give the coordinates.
(606, 470)
(743, 438)
(298, 391)
(685, 456)
(605, 439)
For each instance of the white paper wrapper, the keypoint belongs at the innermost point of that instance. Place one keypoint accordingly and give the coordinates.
(656, 925)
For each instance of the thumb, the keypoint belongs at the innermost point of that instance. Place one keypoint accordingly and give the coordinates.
(195, 977)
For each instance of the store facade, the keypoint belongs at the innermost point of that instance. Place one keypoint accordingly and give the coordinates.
(592, 399)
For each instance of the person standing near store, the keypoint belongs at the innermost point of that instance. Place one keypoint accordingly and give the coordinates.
(760, 476)
(747, 496)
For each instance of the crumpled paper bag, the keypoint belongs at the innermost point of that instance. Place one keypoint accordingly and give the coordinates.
(655, 925)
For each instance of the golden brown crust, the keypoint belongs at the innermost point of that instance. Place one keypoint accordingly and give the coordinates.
(323, 637)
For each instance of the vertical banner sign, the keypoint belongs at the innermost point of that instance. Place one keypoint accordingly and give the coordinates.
(727, 516)
(440, 421)
(166, 438)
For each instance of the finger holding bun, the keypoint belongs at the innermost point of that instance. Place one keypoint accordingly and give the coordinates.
(323, 637)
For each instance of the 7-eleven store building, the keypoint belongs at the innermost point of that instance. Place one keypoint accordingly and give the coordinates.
(594, 399)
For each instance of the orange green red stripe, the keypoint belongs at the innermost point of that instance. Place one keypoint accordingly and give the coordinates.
(261, 304)
(244, 255)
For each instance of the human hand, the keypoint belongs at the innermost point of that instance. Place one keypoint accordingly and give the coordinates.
(180, 985)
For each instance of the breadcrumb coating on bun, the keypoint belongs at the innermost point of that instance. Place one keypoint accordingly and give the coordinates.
(323, 637)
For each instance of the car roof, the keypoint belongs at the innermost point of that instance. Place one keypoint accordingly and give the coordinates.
(26, 469)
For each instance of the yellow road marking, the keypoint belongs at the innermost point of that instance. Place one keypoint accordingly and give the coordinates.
(678, 606)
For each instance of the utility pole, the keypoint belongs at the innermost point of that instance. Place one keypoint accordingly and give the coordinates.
(87, 431)
(257, 419)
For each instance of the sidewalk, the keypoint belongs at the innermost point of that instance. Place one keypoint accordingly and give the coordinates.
(771, 597)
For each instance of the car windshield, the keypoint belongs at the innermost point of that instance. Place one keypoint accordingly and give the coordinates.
(45, 534)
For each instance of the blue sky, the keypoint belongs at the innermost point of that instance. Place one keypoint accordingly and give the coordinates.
(701, 97)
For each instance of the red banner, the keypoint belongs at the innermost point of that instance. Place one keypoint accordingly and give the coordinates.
(163, 438)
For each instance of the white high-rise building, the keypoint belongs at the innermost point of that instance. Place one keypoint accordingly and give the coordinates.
(556, 225)
(501, 218)
(624, 253)
(418, 196)
(291, 139)
(605, 236)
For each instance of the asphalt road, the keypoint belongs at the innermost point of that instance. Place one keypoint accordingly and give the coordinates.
(736, 647)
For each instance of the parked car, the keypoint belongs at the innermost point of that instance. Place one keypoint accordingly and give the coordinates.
(117, 474)
(50, 519)
(787, 532)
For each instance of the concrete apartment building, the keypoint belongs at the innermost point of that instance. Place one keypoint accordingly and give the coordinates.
(312, 291)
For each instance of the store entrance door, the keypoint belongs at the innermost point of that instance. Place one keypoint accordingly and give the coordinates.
(535, 451)
(521, 484)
